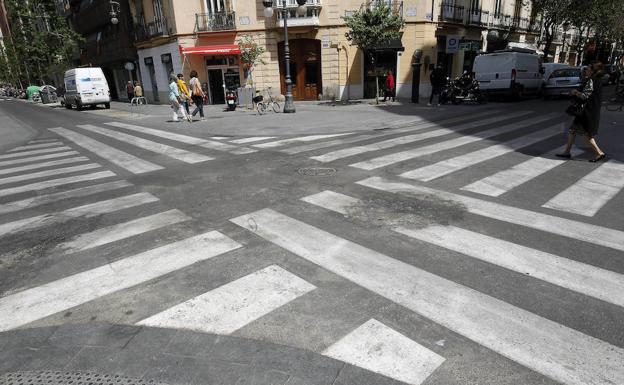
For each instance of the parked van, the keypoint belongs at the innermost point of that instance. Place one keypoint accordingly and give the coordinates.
(515, 72)
(86, 87)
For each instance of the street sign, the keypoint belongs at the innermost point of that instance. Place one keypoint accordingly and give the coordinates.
(467, 46)
(452, 43)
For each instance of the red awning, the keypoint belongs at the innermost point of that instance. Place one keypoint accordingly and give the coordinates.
(225, 49)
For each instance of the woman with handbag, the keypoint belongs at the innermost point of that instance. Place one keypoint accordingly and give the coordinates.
(197, 95)
(586, 111)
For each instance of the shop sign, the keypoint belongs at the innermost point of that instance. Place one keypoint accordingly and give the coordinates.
(452, 43)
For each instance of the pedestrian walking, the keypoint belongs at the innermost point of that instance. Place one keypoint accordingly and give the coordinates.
(175, 99)
(389, 87)
(130, 90)
(197, 95)
(184, 93)
(138, 90)
(586, 110)
(438, 80)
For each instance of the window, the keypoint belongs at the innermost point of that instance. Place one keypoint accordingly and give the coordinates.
(475, 5)
(167, 64)
(497, 7)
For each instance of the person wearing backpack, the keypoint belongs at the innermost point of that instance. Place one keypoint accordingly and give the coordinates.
(197, 95)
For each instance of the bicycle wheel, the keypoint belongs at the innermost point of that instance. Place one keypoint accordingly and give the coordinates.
(261, 108)
(276, 107)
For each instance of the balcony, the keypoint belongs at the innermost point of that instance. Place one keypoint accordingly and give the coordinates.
(214, 22)
(501, 21)
(478, 17)
(148, 31)
(451, 13)
(522, 23)
(311, 18)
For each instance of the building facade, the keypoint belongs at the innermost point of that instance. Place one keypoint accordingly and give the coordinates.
(183, 35)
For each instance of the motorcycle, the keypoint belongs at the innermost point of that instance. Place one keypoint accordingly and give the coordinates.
(462, 89)
(231, 99)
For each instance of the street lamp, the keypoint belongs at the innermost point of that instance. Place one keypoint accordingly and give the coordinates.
(115, 9)
(289, 105)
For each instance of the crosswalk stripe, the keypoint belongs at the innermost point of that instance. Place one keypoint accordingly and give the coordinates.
(122, 159)
(34, 152)
(448, 166)
(56, 183)
(36, 146)
(387, 160)
(597, 235)
(220, 137)
(308, 138)
(252, 139)
(159, 148)
(43, 141)
(49, 173)
(547, 347)
(32, 304)
(121, 231)
(330, 143)
(389, 143)
(86, 211)
(209, 144)
(381, 349)
(40, 200)
(424, 123)
(503, 181)
(235, 304)
(35, 166)
(38, 158)
(588, 195)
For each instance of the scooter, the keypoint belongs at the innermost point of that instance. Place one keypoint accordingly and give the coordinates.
(463, 89)
(231, 99)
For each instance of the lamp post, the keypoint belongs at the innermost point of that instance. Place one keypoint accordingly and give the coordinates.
(289, 105)
(115, 9)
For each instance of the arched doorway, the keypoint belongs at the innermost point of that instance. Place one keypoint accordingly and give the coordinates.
(305, 68)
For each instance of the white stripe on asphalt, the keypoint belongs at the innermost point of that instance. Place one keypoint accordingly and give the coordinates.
(121, 231)
(48, 173)
(309, 138)
(38, 158)
(36, 146)
(448, 166)
(210, 144)
(252, 139)
(402, 140)
(506, 180)
(380, 349)
(586, 232)
(35, 166)
(588, 195)
(34, 152)
(43, 141)
(159, 148)
(234, 305)
(85, 211)
(122, 159)
(30, 305)
(387, 160)
(547, 347)
(56, 183)
(40, 200)
(220, 137)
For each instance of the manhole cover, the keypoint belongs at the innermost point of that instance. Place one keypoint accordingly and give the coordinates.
(69, 378)
(317, 171)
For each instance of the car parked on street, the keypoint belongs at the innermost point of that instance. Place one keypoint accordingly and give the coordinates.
(86, 87)
(561, 82)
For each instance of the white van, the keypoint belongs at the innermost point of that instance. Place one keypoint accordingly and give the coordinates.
(86, 87)
(511, 72)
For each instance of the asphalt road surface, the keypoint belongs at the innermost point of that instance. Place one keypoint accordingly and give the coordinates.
(448, 247)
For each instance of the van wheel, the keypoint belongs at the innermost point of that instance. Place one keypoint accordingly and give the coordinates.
(79, 106)
(107, 106)
(92, 107)
(68, 106)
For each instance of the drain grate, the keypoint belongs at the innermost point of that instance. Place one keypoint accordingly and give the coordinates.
(317, 171)
(69, 378)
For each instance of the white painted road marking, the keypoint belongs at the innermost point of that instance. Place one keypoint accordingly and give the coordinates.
(547, 347)
(380, 349)
(159, 148)
(252, 139)
(40, 200)
(29, 147)
(32, 304)
(210, 144)
(48, 173)
(86, 211)
(35, 166)
(121, 231)
(122, 159)
(42, 141)
(448, 166)
(34, 152)
(234, 305)
(588, 195)
(56, 183)
(309, 138)
(38, 158)
(586, 232)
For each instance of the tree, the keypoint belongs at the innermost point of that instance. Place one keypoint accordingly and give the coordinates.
(553, 13)
(374, 25)
(251, 54)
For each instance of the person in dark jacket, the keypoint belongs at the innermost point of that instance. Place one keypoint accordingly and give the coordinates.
(587, 124)
(438, 80)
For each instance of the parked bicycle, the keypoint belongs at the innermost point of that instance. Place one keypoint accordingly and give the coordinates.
(616, 103)
(262, 106)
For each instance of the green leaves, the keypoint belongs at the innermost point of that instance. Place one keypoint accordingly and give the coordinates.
(374, 25)
(250, 51)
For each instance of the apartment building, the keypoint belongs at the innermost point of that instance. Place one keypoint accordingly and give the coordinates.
(181, 35)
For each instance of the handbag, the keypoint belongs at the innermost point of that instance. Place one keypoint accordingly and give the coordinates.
(576, 109)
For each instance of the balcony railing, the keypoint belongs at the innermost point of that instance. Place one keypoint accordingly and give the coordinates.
(311, 18)
(452, 13)
(211, 22)
(501, 21)
(147, 31)
(478, 17)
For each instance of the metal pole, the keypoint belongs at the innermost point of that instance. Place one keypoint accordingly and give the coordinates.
(289, 105)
